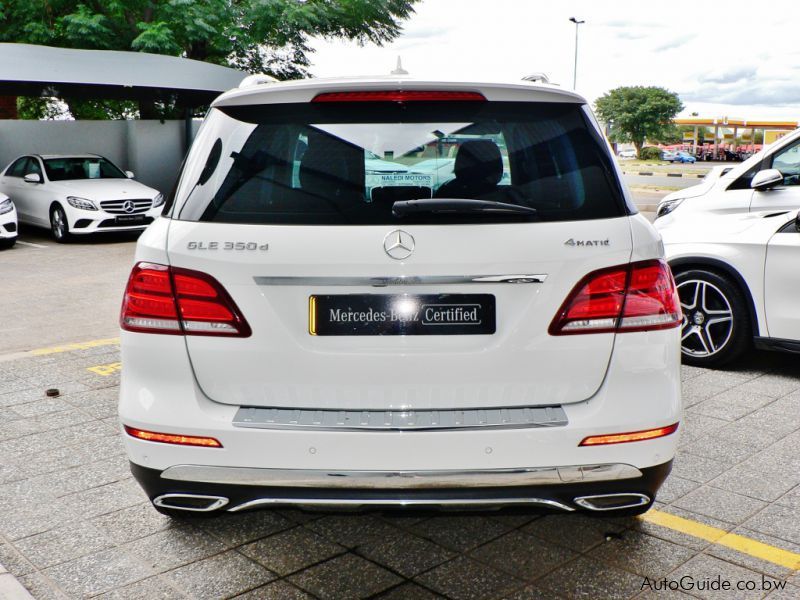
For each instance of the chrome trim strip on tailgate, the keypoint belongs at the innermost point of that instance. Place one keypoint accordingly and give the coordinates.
(381, 480)
(400, 280)
(400, 420)
(429, 502)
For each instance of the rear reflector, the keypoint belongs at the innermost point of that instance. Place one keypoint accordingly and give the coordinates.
(162, 299)
(399, 96)
(634, 436)
(171, 438)
(639, 296)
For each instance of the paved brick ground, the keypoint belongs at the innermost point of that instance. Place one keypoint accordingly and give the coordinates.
(74, 524)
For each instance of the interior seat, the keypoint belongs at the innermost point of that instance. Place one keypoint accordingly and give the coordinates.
(478, 169)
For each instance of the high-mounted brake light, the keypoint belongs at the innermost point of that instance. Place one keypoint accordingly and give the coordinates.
(171, 438)
(638, 296)
(171, 300)
(400, 96)
(634, 436)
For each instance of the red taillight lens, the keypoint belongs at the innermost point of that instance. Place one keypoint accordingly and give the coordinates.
(162, 299)
(633, 436)
(635, 297)
(399, 96)
(172, 438)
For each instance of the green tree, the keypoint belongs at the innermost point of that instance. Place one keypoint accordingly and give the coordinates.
(259, 36)
(639, 113)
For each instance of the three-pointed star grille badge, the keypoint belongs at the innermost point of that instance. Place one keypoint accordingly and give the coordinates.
(398, 244)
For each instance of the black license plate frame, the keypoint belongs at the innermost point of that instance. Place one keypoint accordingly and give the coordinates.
(401, 314)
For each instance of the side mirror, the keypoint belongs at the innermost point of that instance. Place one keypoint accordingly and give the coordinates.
(768, 178)
(797, 222)
(32, 178)
(129, 174)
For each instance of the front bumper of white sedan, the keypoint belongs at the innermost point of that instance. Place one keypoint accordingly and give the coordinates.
(84, 222)
(8, 224)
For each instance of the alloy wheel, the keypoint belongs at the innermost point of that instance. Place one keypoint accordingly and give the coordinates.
(59, 226)
(707, 318)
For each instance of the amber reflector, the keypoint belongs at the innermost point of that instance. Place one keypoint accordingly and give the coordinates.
(171, 438)
(634, 436)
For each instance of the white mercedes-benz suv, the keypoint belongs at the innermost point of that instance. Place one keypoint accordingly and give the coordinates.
(502, 332)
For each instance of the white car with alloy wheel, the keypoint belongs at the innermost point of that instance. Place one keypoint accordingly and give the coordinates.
(738, 283)
(505, 332)
(8, 222)
(768, 180)
(78, 195)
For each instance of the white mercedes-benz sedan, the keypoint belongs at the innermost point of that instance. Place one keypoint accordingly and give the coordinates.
(78, 195)
(502, 332)
(738, 283)
(8, 222)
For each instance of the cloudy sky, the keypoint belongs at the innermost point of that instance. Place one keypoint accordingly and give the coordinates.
(734, 58)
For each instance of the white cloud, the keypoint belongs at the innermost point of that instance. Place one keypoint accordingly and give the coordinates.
(716, 59)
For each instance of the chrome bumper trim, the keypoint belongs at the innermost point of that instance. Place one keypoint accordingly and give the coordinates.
(433, 503)
(400, 420)
(383, 281)
(408, 480)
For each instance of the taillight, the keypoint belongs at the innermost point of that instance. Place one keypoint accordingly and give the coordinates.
(162, 299)
(399, 96)
(639, 296)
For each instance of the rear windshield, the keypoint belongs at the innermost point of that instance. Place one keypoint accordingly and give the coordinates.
(348, 163)
(63, 169)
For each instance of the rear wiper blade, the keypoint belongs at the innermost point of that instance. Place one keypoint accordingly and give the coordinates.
(457, 205)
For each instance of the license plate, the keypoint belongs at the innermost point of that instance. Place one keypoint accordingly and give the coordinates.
(406, 314)
(130, 219)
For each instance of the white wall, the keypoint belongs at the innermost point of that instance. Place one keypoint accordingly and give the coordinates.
(151, 149)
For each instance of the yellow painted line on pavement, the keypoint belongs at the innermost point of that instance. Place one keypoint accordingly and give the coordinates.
(105, 370)
(75, 346)
(740, 543)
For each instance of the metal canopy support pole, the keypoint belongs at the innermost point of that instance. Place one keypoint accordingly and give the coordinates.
(694, 142)
(716, 142)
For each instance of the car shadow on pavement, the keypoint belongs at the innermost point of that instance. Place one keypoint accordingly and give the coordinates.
(786, 364)
(39, 235)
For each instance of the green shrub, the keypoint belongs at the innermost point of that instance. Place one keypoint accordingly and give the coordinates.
(650, 153)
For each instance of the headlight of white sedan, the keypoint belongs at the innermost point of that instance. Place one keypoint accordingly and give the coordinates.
(158, 200)
(81, 203)
(6, 206)
(668, 206)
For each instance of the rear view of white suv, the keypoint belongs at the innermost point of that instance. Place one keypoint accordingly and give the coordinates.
(503, 331)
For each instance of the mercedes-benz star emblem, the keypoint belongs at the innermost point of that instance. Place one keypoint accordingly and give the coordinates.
(128, 206)
(398, 244)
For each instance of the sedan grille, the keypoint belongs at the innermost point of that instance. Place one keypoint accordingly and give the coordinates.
(126, 207)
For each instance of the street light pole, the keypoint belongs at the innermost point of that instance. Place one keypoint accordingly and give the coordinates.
(575, 67)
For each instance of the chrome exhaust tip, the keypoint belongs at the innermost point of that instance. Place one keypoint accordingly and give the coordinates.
(190, 502)
(602, 502)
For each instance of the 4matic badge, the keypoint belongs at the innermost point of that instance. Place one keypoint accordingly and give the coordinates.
(574, 242)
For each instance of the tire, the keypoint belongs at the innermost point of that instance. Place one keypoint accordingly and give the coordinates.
(59, 226)
(7, 243)
(716, 325)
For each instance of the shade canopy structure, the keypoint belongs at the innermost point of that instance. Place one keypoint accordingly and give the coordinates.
(30, 70)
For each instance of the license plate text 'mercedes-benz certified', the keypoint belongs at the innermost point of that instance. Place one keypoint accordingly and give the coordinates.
(385, 314)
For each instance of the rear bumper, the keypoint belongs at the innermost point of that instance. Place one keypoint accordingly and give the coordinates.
(236, 491)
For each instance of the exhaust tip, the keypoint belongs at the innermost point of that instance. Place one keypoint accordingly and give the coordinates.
(190, 502)
(602, 502)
